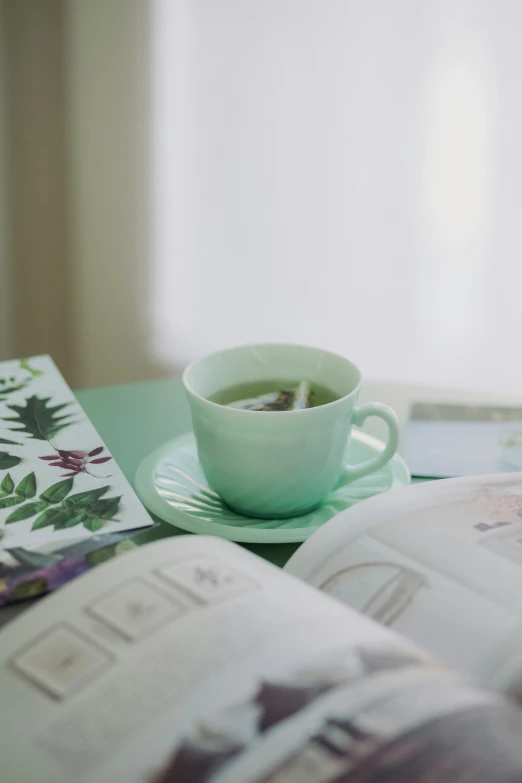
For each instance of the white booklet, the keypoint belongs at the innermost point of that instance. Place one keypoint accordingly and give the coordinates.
(191, 660)
(62, 496)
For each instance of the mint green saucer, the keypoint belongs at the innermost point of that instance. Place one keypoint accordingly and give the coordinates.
(171, 484)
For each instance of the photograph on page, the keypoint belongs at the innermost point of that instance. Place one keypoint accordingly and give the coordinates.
(366, 714)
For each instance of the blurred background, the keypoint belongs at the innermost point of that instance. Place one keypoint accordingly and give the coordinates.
(178, 176)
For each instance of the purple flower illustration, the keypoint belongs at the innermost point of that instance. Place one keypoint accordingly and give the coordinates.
(75, 462)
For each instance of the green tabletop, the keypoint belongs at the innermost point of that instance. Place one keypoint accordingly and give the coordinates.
(134, 420)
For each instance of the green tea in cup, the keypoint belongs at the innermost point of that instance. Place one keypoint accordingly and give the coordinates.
(275, 395)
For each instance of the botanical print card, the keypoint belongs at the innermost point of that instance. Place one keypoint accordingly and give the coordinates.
(59, 486)
(445, 441)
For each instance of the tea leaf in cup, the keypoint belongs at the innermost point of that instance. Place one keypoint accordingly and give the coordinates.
(255, 403)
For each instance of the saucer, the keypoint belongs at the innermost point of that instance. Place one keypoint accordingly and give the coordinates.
(171, 484)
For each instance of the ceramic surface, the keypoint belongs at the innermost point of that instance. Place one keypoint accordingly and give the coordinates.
(171, 483)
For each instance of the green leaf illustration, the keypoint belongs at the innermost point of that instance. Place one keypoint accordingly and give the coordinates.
(8, 502)
(26, 511)
(6, 390)
(76, 519)
(7, 484)
(38, 419)
(24, 365)
(98, 512)
(57, 492)
(27, 487)
(8, 461)
(93, 517)
(9, 442)
(84, 499)
(105, 508)
(88, 508)
(52, 516)
(93, 524)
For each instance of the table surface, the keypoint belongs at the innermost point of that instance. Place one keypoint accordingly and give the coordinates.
(135, 419)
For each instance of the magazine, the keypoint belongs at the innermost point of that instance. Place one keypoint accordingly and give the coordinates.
(443, 440)
(62, 497)
(191, 660)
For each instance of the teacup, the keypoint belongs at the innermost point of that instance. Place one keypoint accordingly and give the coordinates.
(276, 464)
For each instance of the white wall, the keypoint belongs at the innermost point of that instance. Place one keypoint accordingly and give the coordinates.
(344, 173)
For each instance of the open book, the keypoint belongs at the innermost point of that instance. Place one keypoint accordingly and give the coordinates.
(192, 660)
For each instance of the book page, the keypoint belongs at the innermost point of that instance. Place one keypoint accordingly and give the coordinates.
(193, 660)
(440, 563)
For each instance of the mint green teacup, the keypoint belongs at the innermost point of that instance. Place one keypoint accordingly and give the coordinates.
(275, 464)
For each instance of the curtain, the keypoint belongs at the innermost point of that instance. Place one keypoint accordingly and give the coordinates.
(74, 249)
(344, 174)
(35, 182)
(5, 314)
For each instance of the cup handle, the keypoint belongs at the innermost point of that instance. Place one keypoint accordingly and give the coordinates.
(352, 472)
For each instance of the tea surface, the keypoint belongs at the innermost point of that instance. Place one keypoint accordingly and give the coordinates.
(275, 395)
